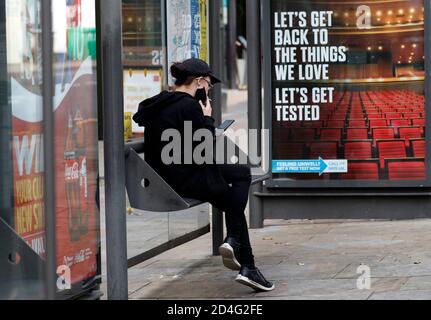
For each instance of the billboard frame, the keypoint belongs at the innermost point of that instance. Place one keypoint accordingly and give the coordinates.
(280, 183)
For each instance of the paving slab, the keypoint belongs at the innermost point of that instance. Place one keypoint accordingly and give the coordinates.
(403, 295)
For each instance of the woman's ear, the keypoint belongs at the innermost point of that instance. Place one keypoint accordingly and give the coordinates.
(200, 85)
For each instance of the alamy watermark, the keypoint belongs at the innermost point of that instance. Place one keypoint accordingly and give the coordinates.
(201, 147)
(64, 280)
(364, 280)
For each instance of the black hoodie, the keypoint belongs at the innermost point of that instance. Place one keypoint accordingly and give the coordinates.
(170, 110)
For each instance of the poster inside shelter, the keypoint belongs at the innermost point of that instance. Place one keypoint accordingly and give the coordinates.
(75, 139)
(348, 91)
(187, 30)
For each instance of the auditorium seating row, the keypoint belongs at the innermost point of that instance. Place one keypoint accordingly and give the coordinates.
(381, 133)
(341, 134)
(391, 159)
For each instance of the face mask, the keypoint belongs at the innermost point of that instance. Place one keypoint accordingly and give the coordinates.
(201, 95)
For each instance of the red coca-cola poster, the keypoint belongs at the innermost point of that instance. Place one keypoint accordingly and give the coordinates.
(76, 175)
(24, 60)
(29, 217)
(75, 139)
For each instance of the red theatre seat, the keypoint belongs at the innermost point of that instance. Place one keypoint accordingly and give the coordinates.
(418, 122)
(357, 123)
(367, 170)
(396, 123)
(412, 115)
(303, 134)
(393, 115)
(383, 133)
(373, 116)
(410, 133)
(419, 148)
(371, 109)
(390, 150)
(406, 170)
(358, 150)
(339, 115)
(335, 124)
(326, 150)
(374, 123)
(331, 134)
(356, 117)
(357, 134)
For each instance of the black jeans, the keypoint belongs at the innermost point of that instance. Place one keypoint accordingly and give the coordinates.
(233, 202)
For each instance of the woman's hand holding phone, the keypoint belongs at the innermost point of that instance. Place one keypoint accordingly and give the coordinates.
(207, 109)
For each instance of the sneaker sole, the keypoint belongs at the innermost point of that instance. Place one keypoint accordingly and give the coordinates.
(254, 285)
(228, 256)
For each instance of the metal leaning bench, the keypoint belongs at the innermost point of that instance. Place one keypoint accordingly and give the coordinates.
(149, 192)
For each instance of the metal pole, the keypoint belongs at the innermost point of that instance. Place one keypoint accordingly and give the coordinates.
(115, 195)
(216, 65)
(99, 74)
(254, 66)
(427, 89)
(232, 49)
(6, 168)
(165, 60)
(49, 152)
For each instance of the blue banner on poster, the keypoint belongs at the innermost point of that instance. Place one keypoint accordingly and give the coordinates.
(319, 166)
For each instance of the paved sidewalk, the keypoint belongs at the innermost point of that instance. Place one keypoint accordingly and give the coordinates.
(306, 260)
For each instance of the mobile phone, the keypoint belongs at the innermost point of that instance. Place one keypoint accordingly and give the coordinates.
(201, 95)
(225, 125)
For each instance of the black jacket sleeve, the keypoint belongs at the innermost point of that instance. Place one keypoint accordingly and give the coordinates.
(193, 112)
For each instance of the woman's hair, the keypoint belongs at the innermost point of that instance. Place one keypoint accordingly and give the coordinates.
(178, 71)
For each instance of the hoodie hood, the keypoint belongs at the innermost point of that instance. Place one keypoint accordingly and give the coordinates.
(152, 106)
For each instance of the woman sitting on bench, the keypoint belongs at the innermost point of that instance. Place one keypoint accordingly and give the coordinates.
(224, 186)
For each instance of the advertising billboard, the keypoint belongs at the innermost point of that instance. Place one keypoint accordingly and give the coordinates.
(348, 93)
(24, 68)
(75, 140)
(187, 30)
(138, 86)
